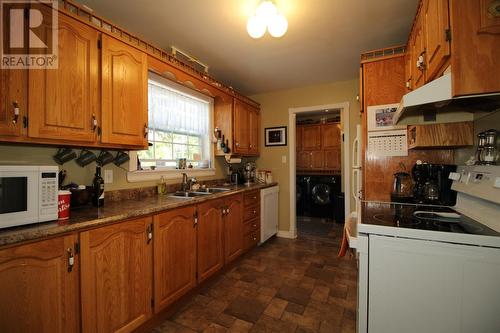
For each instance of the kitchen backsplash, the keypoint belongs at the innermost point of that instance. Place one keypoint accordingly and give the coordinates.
(33, 155)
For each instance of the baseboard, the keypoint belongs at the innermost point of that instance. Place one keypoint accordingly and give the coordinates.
(286, 234)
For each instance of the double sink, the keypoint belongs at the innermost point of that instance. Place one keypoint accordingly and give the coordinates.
(199, 193)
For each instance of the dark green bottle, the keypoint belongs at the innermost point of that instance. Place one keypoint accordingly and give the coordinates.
(98, 189)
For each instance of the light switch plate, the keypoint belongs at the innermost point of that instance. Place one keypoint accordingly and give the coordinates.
(108, 176)
(283, 159)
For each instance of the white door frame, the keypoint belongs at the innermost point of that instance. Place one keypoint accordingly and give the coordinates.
(292, 118)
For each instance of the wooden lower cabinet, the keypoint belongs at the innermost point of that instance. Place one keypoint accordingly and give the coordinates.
(38, 291)
(116, 279)
(174, 255)
(210, 238)
(233, 228)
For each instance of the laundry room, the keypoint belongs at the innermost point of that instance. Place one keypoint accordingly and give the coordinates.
(319, 190)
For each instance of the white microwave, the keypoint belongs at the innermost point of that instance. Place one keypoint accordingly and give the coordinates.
(28, 194)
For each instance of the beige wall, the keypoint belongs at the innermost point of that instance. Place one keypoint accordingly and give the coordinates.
(16, 154)
(274, 112)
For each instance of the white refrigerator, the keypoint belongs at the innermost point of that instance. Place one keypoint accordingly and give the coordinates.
(356, 187)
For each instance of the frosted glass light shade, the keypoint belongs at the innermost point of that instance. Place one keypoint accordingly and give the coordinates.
(256, 26)
(266, 10)
(277, 26)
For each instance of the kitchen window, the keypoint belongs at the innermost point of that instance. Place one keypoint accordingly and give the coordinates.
(180, 123)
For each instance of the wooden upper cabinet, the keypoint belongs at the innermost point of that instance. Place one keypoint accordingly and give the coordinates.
(408, 69)
(13, 94)
(298, 137)
(419, 54)
(381, 88)
(210, 238)
(311, 137)
(124, 94)
(317, 160)
(437, 44)
(233, 228)
(254, 116)
(38, 293)
(64, 102)
(475, 40)
(116, 275)
(303, 160)
(332, 159)
(330, 136)
(241, 128)
(174, 255)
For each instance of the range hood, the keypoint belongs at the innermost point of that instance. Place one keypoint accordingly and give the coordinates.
(437, 95)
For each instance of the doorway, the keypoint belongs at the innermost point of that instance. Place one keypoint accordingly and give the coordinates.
(319, 169)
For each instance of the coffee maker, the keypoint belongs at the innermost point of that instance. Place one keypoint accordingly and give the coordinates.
(432, 185)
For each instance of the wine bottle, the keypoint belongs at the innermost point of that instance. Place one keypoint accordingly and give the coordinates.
(98, 189)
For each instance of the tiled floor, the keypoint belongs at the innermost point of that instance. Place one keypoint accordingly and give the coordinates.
(283, 286)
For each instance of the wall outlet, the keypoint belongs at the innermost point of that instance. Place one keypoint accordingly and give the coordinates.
(108, 176)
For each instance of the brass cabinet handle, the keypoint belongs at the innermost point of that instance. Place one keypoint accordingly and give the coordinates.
(71, 259)
(254, 211)
(237, 144)
(16, 110)
(94, 122)
(149, 231)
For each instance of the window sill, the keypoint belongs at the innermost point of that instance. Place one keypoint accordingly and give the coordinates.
(151, 175)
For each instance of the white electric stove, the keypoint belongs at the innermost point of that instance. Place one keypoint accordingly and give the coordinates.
(433, 268)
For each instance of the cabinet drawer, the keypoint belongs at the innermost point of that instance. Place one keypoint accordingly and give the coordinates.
(251, 198)
(251, 226)
(252, 239)
(251, 212)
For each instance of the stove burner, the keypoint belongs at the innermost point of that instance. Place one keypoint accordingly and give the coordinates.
(398, 220)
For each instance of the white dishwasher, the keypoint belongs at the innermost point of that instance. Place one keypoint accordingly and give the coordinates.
(269, 201)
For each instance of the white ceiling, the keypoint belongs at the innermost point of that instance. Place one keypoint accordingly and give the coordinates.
(323, 42)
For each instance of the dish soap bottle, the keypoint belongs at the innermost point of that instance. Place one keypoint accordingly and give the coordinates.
(98, 188)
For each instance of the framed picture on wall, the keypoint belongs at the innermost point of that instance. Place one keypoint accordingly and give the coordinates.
(275, 136)
(380, 117)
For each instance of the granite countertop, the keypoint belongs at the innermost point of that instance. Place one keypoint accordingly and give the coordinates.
(91, 217)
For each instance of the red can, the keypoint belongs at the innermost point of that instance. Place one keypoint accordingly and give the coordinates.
(63, 204)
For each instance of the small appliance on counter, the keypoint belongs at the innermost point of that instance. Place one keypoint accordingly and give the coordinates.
(432, 184)
(28, 194)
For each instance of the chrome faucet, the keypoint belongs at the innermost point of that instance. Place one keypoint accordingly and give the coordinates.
(185, 185)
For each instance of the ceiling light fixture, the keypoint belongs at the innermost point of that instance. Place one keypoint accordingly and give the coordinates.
(267, 17)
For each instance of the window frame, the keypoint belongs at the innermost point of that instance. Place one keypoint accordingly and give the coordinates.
(134, 175)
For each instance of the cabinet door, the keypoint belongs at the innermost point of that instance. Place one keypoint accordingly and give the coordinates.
(64, 102)
(419, 50)
(304, 160)
(317, 159)
(241, 128)
(38, 292)
(254, 115)
(332, 159)
(210, 249)
(298, 138)
(116, 266)
(330, 136)
(174, 255)
(124, 94)
(311, 137)
(233, 228)
(437, 46)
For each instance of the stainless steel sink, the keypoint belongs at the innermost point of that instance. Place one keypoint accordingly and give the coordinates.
(187, 195)
(212, 190)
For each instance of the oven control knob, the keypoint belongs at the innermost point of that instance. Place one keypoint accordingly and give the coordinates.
(454, 176)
